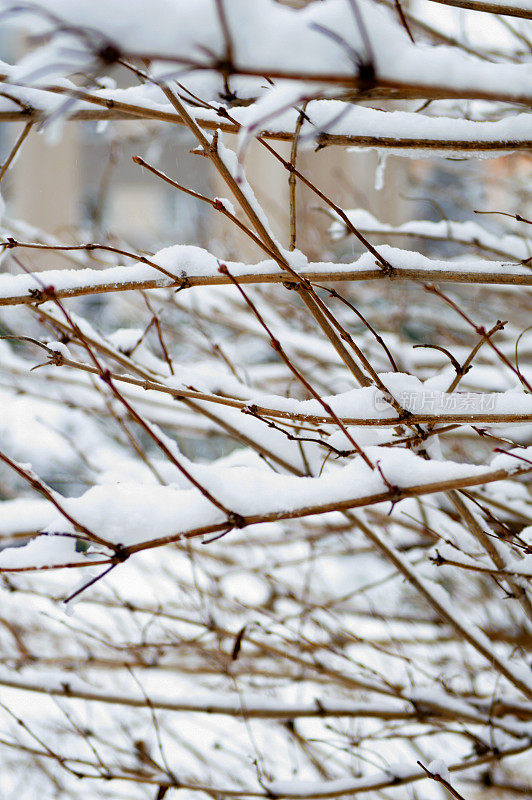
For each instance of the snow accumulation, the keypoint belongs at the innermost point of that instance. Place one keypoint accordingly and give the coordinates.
(24, 516)
(273, 38)
(131, 514)
(401, 133)
(270, 37)
(463, 232)
(43, 552)
(298, 544)
(186, 261)
(332, 117)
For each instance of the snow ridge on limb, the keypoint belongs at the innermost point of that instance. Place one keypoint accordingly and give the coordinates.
(193, 266)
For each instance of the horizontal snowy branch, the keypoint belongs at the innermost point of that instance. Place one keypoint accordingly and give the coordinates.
(466, 233)
(123, 514)
(255, 706)
(193, 266)
(519, 8)
(329, 122)
(313, 44)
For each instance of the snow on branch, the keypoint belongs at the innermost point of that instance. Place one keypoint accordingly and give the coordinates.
(266, 412)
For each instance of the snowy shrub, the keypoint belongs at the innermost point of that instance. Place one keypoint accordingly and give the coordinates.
(266, 519)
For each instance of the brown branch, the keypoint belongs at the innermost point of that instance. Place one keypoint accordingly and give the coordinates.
(435, 776)
(16, 147)
(104, 284)
(292, 178)
(507, 9)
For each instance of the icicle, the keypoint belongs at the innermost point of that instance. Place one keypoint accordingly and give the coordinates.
(379, 172)
(52, 129)
(69, 606)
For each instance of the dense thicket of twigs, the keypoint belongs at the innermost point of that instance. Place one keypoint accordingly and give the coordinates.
(289, 501)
